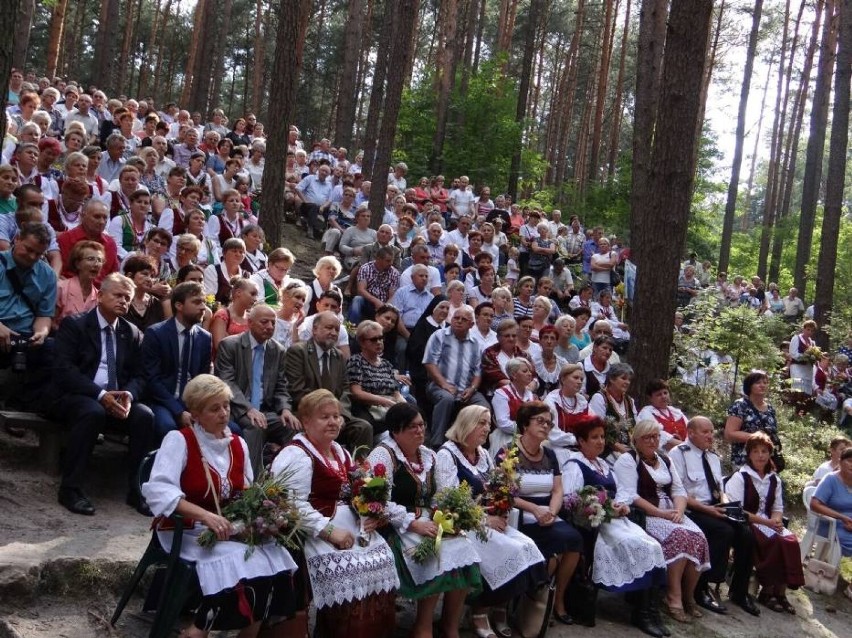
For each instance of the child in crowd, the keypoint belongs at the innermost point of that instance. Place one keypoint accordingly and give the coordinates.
(513, 272)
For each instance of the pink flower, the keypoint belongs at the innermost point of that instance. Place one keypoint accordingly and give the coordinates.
(379, 469)
(374, 508)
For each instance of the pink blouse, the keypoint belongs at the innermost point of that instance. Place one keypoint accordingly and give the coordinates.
(71, 301)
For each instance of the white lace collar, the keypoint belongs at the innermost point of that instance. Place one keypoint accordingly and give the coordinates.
(427, 457)
(483, 463)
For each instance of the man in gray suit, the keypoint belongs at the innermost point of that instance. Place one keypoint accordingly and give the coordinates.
(252, 364)
(318, 363)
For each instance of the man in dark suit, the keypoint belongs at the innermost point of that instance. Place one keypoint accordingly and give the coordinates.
(98, 381)
(318, 363)
(173, 352)
(252, 364)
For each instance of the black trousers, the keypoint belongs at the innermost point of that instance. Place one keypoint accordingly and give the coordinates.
(723, 535)
(86, 418)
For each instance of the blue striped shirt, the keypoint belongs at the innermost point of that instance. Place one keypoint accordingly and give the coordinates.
(459, 360)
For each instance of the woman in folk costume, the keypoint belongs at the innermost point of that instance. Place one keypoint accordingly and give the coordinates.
(508, 398)
(801, 365)
(196, 469)
(354, 586)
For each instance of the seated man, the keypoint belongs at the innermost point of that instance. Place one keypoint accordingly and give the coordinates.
(173, 352)
(329, 301)
(453, 363)
(93, 223)
(378, 280)
(318, 363)
(252, 364)
(97, 377)
(701, 473)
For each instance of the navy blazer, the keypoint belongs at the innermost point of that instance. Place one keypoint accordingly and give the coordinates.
(78, 355)
(160, 364)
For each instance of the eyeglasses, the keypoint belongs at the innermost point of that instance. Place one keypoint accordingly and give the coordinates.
(92, 259)
(419, 425)
(542, 420)
(373, 339)
(650, 437)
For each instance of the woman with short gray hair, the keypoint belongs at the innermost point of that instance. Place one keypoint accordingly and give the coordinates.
(614, 406)
(508, 398)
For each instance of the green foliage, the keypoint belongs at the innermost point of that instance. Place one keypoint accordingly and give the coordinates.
(481, 133)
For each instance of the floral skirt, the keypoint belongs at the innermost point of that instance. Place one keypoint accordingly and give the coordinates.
(680, 540)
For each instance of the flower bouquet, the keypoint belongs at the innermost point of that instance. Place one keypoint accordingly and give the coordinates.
(210, 302)
(501, 485)
(590, 507)
(263, 512)
(811, 355)
(367, 492)
(455, 514)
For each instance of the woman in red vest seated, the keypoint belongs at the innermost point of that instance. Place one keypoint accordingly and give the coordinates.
(353, 581)
(508, 399)
(239, 592)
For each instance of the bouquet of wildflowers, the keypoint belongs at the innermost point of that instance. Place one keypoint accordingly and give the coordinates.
(210, 302)
(455, 513)
(501, 485)
(811, 356)
(367, 492)
(263, 512)
(590, 507)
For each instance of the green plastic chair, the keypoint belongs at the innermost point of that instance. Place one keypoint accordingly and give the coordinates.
(180, 580)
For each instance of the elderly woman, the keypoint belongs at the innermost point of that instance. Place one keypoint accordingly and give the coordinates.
(672, 421)
(510, 562)
(328, 269)
(372, 381)
(613, 404)
(524, 297)
(353, 585)
(833, 498)
(802, 367)
(648, 481)
(596, 366)
(197, 468)
(565, 348)
(542, 250)
(602, 264)
(548, 364)
(410, 468)
(217, 277)
(289, 314)
(626, 559)
(78, 294)
(145, 309)
(540, 501)
(569, 408)
(541, 308)
(778, 562)
(748, 414)
(687, 286)
(456, 293)
(508, 399)
(272, 279)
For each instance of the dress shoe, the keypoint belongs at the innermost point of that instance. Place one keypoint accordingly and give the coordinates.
(705, 600)
(135, 500)
(747, 604)
(76, 502)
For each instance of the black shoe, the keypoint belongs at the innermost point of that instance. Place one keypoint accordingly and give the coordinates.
(705, 599)
(135, 500)
(643, 620)
(747, 604)
(76, 502)
(565, 619)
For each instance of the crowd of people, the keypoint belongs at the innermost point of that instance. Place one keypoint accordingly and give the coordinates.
(137, 292)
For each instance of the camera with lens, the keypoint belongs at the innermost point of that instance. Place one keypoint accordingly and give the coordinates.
(18, 346)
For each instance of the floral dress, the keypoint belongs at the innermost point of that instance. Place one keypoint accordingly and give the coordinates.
(753, 421)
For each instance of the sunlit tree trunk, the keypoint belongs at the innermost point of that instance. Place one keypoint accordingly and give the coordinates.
(377, 91)
(161, 49)
(104, 65)
(54, 38)
(194, 43)
(220, 41)
(665, 211)
(838, 145)
(739, 140)
(816, 147)
(444, 77)
(601, 98)
(744, 221)
(121, 79)
(618, 99)
(346, 95)
(21, 23)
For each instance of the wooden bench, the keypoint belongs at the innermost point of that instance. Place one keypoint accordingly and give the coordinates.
(50, 435)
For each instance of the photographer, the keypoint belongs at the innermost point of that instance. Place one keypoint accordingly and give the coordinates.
(27, 294)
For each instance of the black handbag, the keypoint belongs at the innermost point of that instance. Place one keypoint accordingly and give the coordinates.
(638, 516)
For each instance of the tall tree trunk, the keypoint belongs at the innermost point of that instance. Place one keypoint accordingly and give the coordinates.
(617, 108)
(708, 74)
(739, 140)
(21, 23)
(567, 93)
(121, 79)
(506, 25)
(104, 67)
(653, 15)
(222, 29)
(71, 56)
(192, 56)
(54, 39)
(261, 24)
(444, 77)
(600, 101)
(151, 47)
(161, 49)
(346, 94)
(480, 27)
(672, 172)
(744, 222)
(533, 18)
(400, 53)
(9, 13)
(838, 145)
(773, 175)
(363, 64)
(282, 109)
(204, 70)
(377, 91)
(816, 147)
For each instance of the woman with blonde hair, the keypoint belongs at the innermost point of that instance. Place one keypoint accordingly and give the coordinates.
(510, 563)
(233, 318)
(328, 269)
(290, 314)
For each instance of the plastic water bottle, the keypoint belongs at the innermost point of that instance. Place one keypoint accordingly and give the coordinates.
(404, 390)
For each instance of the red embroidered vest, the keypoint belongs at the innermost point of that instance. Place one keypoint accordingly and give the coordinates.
(325, 482)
